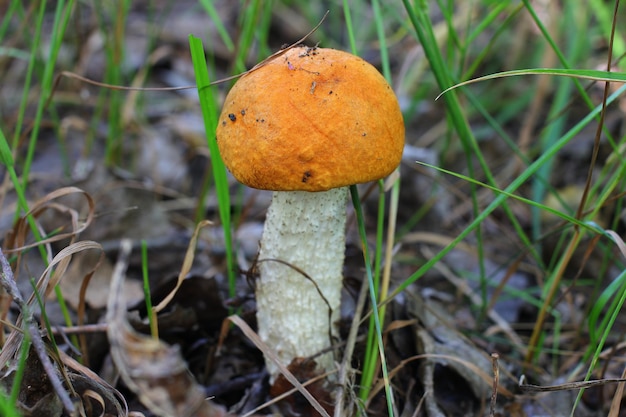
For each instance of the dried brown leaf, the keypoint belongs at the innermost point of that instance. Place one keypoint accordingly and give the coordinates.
(187, 263)
(254, 338)
(89, 385)
(16, 240)
(153, 370)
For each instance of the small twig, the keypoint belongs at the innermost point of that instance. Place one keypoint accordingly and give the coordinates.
(284, 395)
(8, 282)
(496, 379)
(347, 356)
(86, 80)
(68, 74)
(269, 353)
(67, 341)
(85, 328)
(317, 288)
(567, 386)
(283, 50)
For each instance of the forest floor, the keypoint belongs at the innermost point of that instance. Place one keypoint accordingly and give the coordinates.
(118, 181)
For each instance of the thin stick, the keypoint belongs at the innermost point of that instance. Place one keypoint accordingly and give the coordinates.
(86, 80)
(496, 379)
(8, 282)
(347, 356)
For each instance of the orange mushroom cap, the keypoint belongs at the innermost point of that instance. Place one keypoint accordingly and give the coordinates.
(311, 119)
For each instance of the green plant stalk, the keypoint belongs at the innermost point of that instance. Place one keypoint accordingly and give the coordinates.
(21, 367)
(219, 25)
(54, 349)
(453, 44)
(606, 323)
(600, 304)
(370, 358)
(103, 93)
(58, 29)
(6, 21)
(519, 230)
(152, 317)
(423, 28)
(380, 289)
(556, 334)
(208, 180)
(505, 24)
(7, 161)
(588, 226)
(7, 406)
(375, 313)
(382, 40)
(598, 330)
(504, 194)
(611, 321)
(46, 321)
(65, 311)
(567, 67)
(209, 116)
(155, 27)
(6, 158)
(61, 18)
(613, 184)
(557, 125)
(28, 80)
(573, 244)
(349, 28)
(264, 28)
(247, 35)
(575, 74)
(549, 136)
(491, 17)
(391, 232)
(115, 59)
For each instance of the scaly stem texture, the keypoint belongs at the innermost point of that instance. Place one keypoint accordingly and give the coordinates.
(300, 263)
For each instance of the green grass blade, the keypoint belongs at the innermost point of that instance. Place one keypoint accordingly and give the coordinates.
(510, 189)
(22, 202)
(374, 349)
(533, 203)
(502, 29)
(6, 20)
(7, 406)
(420, 19)
(349, 27)
(21, 367)
(382, 40)
(248, 24)
(219, 25)
(608, 322)
(210, 111)
(583, 74)
(28, 78)
(61, 18)
(356, 202)
(152, 317)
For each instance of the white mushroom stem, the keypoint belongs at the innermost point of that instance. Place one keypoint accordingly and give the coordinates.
(304, 233)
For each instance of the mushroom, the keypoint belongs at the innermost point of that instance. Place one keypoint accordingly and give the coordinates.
(306, 124)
